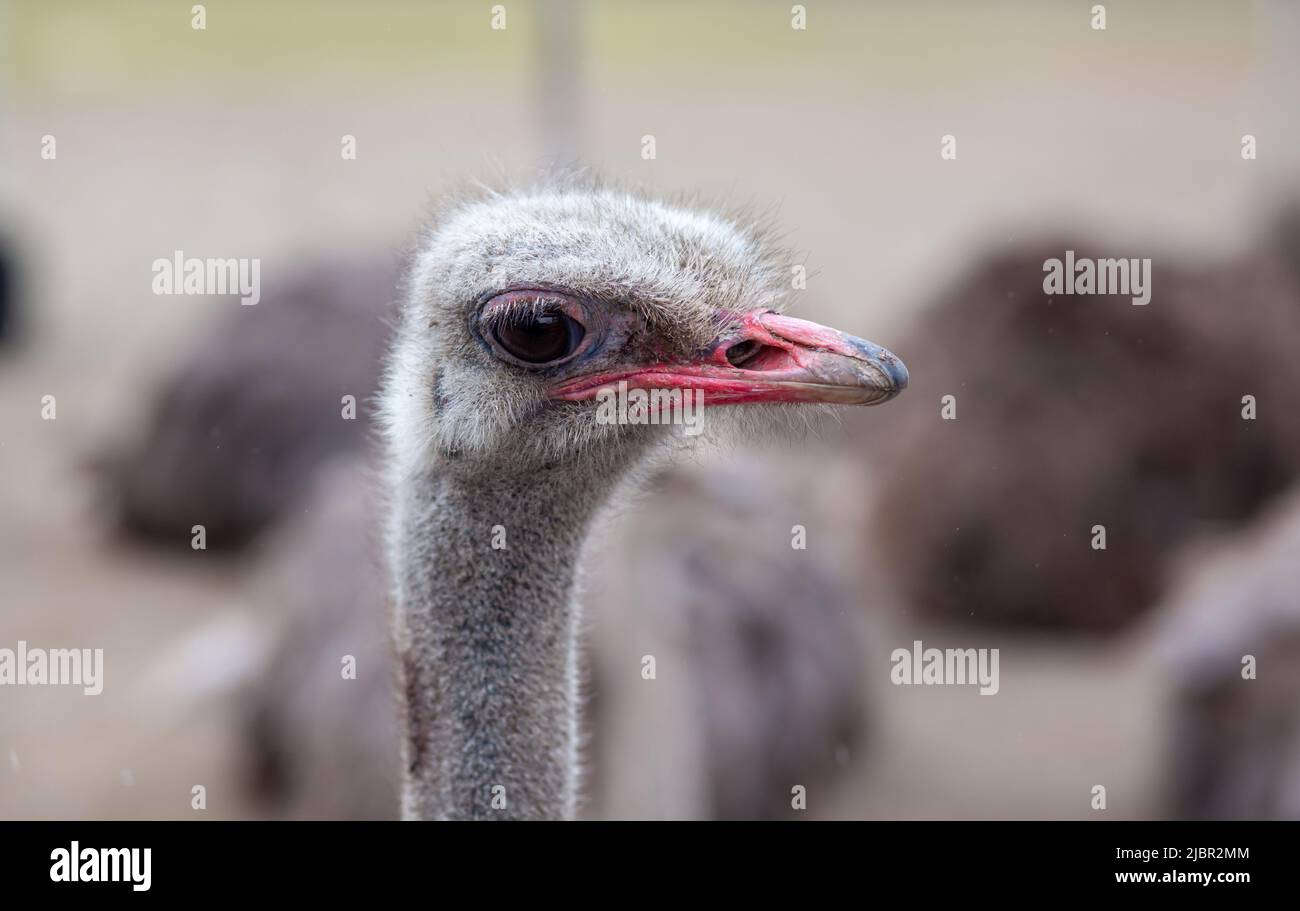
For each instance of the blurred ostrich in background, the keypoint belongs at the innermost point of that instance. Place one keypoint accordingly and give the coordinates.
(1076, 412)
(237, 432)
(1230, 637)
(8, 291)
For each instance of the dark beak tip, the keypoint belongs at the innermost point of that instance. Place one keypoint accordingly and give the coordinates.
(886, 365)
(897, 372)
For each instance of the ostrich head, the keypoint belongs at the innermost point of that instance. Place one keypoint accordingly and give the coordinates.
(522, 307)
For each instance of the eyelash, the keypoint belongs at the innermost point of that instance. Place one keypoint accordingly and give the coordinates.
(506, 315)
(523, 303)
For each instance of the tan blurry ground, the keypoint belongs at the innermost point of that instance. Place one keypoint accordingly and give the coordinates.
(225, 142)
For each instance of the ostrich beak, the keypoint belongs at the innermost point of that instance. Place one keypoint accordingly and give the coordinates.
(772, 358)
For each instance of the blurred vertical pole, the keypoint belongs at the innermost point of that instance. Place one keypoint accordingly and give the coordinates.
(1276, 74)
(7, 54)
(6, 176)
(559, 82)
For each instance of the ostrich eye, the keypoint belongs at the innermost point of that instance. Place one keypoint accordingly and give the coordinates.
(540, 338)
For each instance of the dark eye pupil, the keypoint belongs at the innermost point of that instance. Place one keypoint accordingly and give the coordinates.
(540, 339)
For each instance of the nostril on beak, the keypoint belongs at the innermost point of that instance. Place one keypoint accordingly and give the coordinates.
(741, 352)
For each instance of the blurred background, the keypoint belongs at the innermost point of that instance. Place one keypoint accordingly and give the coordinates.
(1119, 668)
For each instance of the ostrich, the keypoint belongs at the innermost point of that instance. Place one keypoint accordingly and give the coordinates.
(758, 659)
(254, 409)
(1078, 412)
(9, 290)
(1228, 636)
(520, 310)
(760, 649)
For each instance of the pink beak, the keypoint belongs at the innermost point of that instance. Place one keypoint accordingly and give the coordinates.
(773, 358)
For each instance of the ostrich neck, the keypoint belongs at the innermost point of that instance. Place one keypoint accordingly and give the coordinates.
(487, 621)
